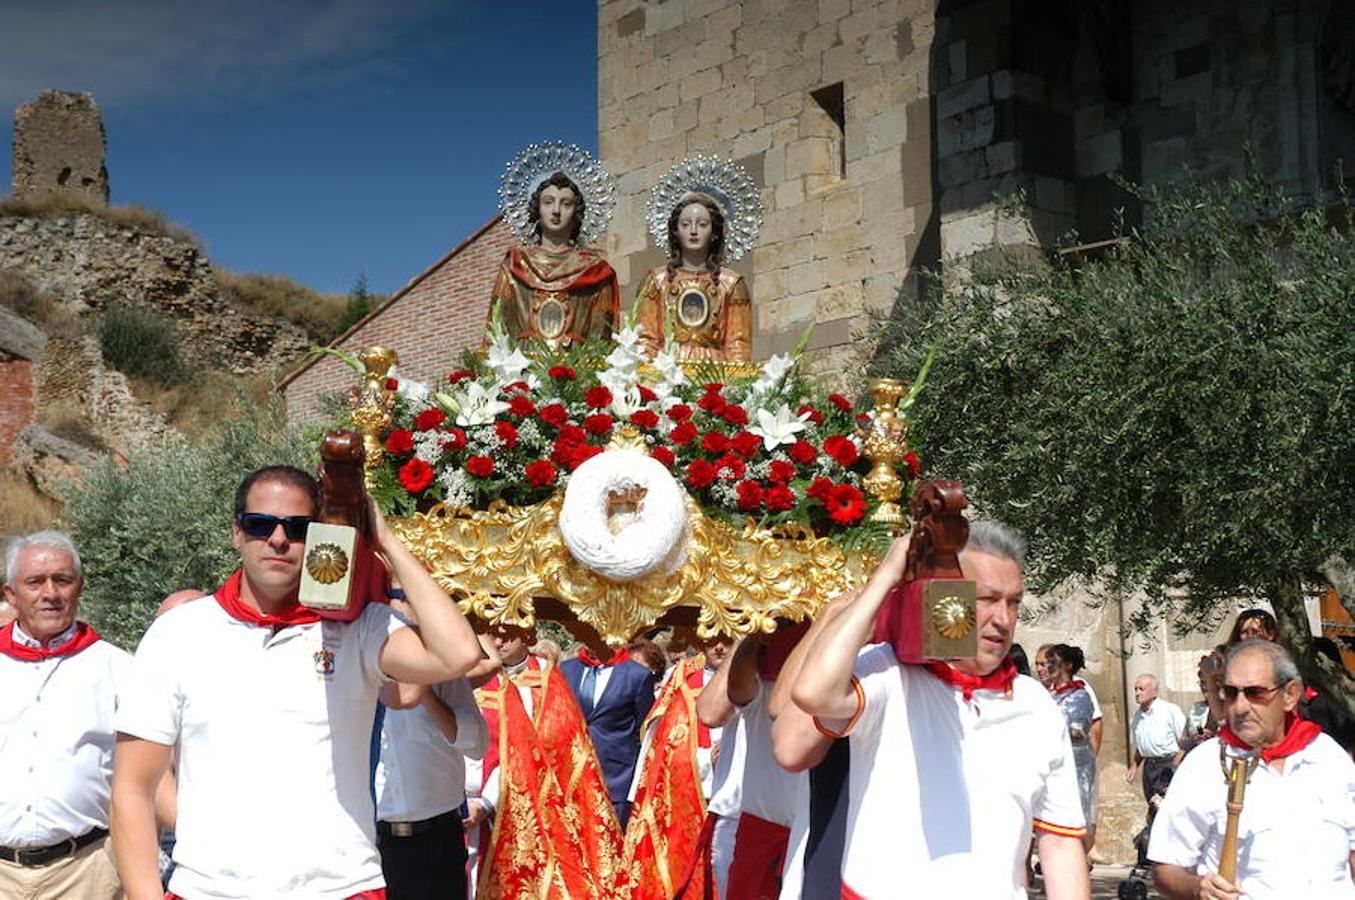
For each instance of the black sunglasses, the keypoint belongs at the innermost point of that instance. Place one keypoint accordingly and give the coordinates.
(1253, 692)
(262, 525)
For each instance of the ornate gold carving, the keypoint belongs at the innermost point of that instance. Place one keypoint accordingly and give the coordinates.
(497, 561)
(372, 404)
(952, 617)
(326, 563)
(886, 446)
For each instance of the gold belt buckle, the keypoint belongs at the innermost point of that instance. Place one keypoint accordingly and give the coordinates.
(402, 829)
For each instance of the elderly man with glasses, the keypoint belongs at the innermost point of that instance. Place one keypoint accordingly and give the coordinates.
(1296, 835)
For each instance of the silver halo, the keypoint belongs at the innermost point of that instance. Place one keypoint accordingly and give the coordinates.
(726, 181)
(525, 172)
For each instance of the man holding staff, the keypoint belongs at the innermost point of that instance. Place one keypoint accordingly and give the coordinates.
(1296, 831)
(272, 710)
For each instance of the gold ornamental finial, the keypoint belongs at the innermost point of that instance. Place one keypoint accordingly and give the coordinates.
(886, 446)
(372, 404)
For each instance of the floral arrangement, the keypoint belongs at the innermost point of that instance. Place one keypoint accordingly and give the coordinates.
(513, 427)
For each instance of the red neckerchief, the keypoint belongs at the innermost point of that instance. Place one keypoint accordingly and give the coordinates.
(1070, 686)
(1299, 733)
(83, 637)
(588, 659)
(1000, 679)
(228, 595)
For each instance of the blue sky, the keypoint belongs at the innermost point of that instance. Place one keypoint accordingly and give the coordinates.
(312, 139)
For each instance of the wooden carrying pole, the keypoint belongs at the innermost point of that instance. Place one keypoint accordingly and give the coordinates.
(1237, 772)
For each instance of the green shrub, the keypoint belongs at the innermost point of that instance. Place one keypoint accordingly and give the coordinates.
(281, 297)
(161, 521)
(141, 343)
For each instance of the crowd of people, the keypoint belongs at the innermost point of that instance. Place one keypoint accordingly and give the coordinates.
(403, 754)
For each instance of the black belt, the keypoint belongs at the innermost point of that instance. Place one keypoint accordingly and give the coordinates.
(41, 856)
(410, 829)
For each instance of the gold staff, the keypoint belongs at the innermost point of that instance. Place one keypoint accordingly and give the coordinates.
(1237, 772)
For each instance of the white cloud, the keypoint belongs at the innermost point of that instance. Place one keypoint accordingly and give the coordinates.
(134, 51)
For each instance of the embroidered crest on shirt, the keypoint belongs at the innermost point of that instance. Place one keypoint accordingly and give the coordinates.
(324, 662)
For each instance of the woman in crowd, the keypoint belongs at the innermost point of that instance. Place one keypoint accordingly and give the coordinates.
(1254, 624)
(1070, 693)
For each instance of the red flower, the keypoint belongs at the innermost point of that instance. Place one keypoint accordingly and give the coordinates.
(581, 453)
(735, 415)
(664, 455)
(845, 504)
(429, 419)
(554, 414)
(599, 424)
(730, 467)
(803, 452)
(572, 434)
(598, 397)
(841, 449)
(745, 444)
(480, 466)
(679, 412)
(644, 418)
(840, 402)
(914, 466)
(814, 415)
(779, 497)
(713, 404)
(454, 439)
(540, 473)
(400, 441)
(683, 434)
(714, 387)
(522, 407)
(700, 474)
(714, 442)
(564, 373)
(647, 395)
(780, 471)
(863, 419)
(750, 495)
(460, 375)
(507, 433)
(819, 488)
(392, 384)
(416, 475)
(517, 387)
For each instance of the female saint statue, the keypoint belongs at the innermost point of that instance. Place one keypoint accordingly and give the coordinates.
(706, 211)
(555, 287)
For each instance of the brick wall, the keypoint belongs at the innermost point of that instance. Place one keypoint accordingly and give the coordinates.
(16, 399)
(428, 322)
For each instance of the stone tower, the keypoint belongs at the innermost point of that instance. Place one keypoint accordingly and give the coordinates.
(59, 148)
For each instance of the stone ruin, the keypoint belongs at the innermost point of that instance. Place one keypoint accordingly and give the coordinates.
(59, 148)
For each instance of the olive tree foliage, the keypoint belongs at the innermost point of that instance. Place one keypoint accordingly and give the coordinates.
(161, 521)
(1174, 418)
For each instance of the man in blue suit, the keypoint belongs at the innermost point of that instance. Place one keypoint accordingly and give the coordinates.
(615, 697)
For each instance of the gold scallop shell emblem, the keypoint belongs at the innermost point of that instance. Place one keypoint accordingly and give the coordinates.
(326, 563)
(952, 617)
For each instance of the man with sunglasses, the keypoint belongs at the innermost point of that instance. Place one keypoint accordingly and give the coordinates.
(272, 711)
(1296, 835)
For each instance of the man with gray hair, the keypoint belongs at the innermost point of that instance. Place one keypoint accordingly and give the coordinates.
(61, 688)
(953, 767)
(1296, 831)
(1157, 728)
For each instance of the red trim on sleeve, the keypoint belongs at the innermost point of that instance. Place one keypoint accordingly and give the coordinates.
(1061, 830)
(851, 723)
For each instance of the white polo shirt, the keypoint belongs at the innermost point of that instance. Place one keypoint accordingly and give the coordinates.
(56, 741)
(1157, 730)
(420, 773)
(943, 792)
(769, 791)
(274, 734)
(1296, 831)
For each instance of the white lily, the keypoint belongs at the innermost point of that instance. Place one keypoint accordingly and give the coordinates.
(668, 368)
(507, 363)
(477, 405)
(415, 392)
(625, 402)
(779, 427)
(773, 371)
(618, 381)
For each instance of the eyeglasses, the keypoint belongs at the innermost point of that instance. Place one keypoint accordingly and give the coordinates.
(1253, 692)
(261, 525)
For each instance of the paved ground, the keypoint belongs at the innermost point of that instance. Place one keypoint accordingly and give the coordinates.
(1105, 884)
